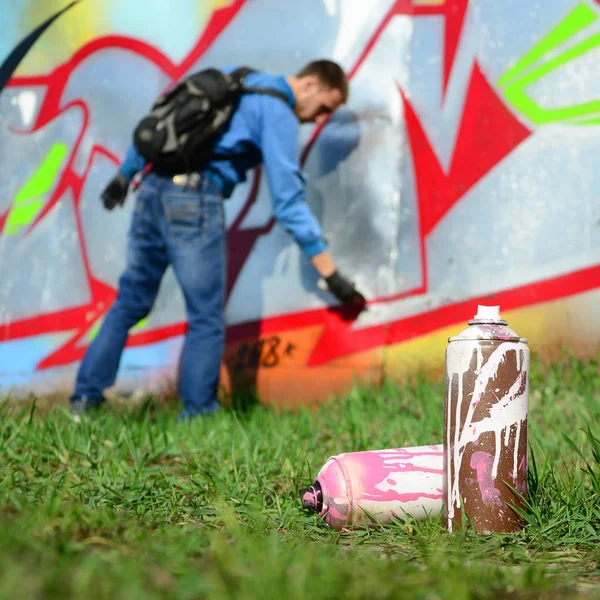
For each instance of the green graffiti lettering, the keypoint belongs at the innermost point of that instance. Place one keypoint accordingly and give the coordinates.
(140, 324)
(96, 328)
(524, 73)
(28, 203)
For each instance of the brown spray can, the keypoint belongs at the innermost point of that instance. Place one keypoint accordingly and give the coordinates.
(485, 425)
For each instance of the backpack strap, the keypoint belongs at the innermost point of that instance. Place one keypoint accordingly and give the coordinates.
(266, 91)
(240, 75)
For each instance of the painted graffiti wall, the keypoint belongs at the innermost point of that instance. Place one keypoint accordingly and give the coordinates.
(463, 170)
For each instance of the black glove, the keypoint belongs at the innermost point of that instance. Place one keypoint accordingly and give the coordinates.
(115, 192)
(344, 290)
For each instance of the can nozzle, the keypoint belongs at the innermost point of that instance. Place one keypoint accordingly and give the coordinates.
(312, 497)
(488, 312)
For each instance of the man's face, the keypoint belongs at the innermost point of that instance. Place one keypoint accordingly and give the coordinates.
(315, 102)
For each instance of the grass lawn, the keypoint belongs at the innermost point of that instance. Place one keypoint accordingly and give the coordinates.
(135, 504)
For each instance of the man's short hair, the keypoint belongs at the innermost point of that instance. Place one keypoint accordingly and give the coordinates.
(329, 73)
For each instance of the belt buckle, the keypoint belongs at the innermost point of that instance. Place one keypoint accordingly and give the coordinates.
(187, 179)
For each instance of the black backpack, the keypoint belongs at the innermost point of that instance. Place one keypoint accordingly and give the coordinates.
(179, 132)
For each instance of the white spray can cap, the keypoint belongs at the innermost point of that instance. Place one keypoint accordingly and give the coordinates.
(491, 313)
(487, 324)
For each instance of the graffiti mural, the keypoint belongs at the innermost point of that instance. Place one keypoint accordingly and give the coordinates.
(461, 171)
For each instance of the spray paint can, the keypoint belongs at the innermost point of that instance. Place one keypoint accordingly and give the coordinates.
(358, 488)
(485, 425)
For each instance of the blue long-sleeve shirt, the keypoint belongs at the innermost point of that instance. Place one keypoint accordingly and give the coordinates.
(263, 129)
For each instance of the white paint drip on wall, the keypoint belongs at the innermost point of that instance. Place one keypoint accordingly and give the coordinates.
(331, 7)
(26, 101)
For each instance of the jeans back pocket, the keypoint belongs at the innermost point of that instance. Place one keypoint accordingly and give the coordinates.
(186, 216)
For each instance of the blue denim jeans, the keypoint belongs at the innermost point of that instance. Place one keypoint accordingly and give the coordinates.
(182, 227)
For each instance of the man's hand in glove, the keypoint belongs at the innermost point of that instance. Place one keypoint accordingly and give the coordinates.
(344, 290)
(115, 192)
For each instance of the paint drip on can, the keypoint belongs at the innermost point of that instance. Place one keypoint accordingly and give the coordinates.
(354, 489)
(485, 425)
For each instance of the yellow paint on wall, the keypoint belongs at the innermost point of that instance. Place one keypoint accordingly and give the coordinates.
(428, 2)
(425, 354)
(87, 20)
(72, 30)
(548, 327)
(221, 3)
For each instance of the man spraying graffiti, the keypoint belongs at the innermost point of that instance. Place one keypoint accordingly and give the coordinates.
(195, 145)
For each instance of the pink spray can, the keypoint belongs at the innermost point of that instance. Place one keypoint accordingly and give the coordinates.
(485, 425)
(389, 484)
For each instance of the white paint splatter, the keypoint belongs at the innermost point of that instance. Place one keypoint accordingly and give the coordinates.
(461, 364)
(448, 503)
(510, 410)
(515, 452)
